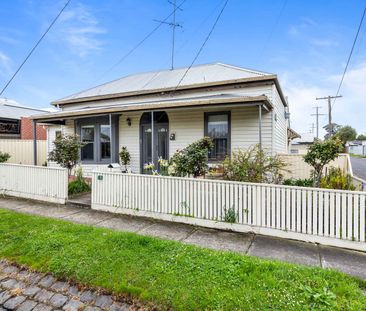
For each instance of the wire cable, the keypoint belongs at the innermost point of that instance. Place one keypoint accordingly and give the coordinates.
(139, 43)
(203, 44)
(273, 28)
(218, 5)
(350, 55)
(33, 49)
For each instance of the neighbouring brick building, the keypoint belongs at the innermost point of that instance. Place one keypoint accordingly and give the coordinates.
(14, 121)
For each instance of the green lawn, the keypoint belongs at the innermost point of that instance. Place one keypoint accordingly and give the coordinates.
(171, 275)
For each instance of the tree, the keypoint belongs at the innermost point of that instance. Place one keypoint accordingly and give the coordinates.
(66, 151)
(125, 157)
(192, 160)
(361, 137)
(4, 157)
(346, 133)
(331, 130)
(320, 154)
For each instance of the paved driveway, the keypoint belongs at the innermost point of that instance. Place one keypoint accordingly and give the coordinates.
(359, 167)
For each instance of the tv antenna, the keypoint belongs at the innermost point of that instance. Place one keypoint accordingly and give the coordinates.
(174, 25)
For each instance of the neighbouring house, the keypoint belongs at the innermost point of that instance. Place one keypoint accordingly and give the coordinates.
(156, 113)
(300, 145)
(357, 147)
(15, 122)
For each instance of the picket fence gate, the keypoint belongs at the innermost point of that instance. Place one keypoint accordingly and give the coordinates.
(331, 217)
(34, 182)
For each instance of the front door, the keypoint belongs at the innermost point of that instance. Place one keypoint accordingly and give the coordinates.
(160, 141)
(146, 150)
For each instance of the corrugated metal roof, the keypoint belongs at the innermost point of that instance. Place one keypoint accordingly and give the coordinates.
(10, 109)
(213, 100)
(306, 138)
(200, 74)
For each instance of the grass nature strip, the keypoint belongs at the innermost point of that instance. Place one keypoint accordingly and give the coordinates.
(172, 275)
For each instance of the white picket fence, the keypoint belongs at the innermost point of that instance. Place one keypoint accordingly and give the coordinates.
(34, 182)
(330, 217)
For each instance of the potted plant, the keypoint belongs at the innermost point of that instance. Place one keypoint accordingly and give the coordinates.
(125, 158)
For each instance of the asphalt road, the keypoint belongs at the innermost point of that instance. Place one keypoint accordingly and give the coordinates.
(359, 167)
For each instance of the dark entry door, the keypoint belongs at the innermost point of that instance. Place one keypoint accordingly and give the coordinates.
(160, 138)
(146, 151)
(162, 141)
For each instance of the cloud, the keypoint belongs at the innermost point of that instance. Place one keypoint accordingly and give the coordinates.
(80, 29)
(305, 23)
(323, 42)
(5, 64)
(8, 39)
(348, 110)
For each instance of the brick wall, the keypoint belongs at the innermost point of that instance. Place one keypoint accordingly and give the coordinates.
(26, 130)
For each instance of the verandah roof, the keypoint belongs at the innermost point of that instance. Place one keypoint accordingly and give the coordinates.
(205, 101)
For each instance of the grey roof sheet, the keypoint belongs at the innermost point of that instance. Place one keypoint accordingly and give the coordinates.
(10, 109)
(169, 79)
(218, 99)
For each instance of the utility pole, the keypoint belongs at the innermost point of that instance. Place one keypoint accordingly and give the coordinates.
(174, 25)
(329, 98)
(317, 114)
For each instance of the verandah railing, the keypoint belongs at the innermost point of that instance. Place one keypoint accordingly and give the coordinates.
(319, 215)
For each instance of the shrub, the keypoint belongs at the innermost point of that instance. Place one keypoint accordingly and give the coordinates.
(192, 160)
(230, 215)
(149, 168)
(79, 185)
(4, 157)
(320, 154)
(66, 151)
(335, 179)
(307, 182)
(253, 165)
(125, 157)
(163, 167)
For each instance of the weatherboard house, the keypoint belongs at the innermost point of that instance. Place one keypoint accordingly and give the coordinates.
(154, 114)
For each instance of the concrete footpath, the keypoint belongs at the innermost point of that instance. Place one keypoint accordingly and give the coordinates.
(350, 262)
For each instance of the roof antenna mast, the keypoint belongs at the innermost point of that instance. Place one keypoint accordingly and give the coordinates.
(174, 25)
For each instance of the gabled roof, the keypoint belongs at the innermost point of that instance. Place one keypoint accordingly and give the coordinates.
(10, 109)
(167, 80)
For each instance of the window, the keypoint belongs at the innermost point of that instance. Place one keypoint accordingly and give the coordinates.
(217, 127)
(101, 141)
(9, 126)
(58, 134)
(105, 141)
(87, 137)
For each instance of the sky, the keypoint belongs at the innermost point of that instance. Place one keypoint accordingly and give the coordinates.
(305, 42)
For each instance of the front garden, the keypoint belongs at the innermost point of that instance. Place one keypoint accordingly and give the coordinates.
(171, 275)
(254, 164)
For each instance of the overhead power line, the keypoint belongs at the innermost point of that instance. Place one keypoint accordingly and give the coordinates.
(203, 44)
(273, 28)
(199, 27)
(350, 55)
(162, 22)
(317, 114)
(34, 47)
